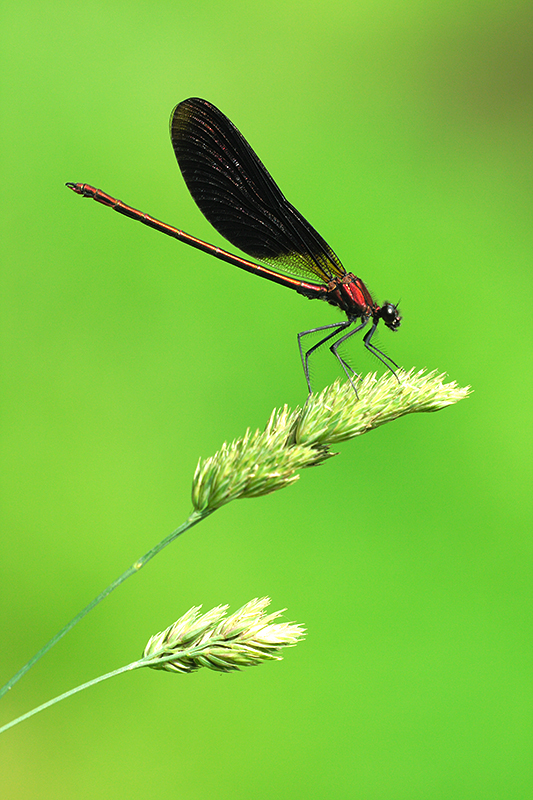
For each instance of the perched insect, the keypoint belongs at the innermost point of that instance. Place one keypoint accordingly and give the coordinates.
(238, 196)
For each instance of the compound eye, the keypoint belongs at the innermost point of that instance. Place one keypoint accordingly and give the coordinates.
(388, 313)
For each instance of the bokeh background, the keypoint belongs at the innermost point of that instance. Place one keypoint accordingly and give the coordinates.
(402, 131)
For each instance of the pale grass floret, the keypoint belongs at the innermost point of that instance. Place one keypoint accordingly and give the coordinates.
(221, 643)
(264, 461)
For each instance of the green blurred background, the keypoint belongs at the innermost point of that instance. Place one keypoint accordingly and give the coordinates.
(402, 131)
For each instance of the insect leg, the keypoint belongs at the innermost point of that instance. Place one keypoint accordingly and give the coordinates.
(334, 349)
(339, 326)
(383, 357)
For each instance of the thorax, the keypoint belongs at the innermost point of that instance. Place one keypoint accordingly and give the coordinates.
(350, 294)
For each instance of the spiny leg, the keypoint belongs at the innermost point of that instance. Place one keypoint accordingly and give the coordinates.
(383, 357)
(335, 350)
(339, 326)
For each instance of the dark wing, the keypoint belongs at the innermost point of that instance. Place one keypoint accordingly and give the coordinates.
(238, 196)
